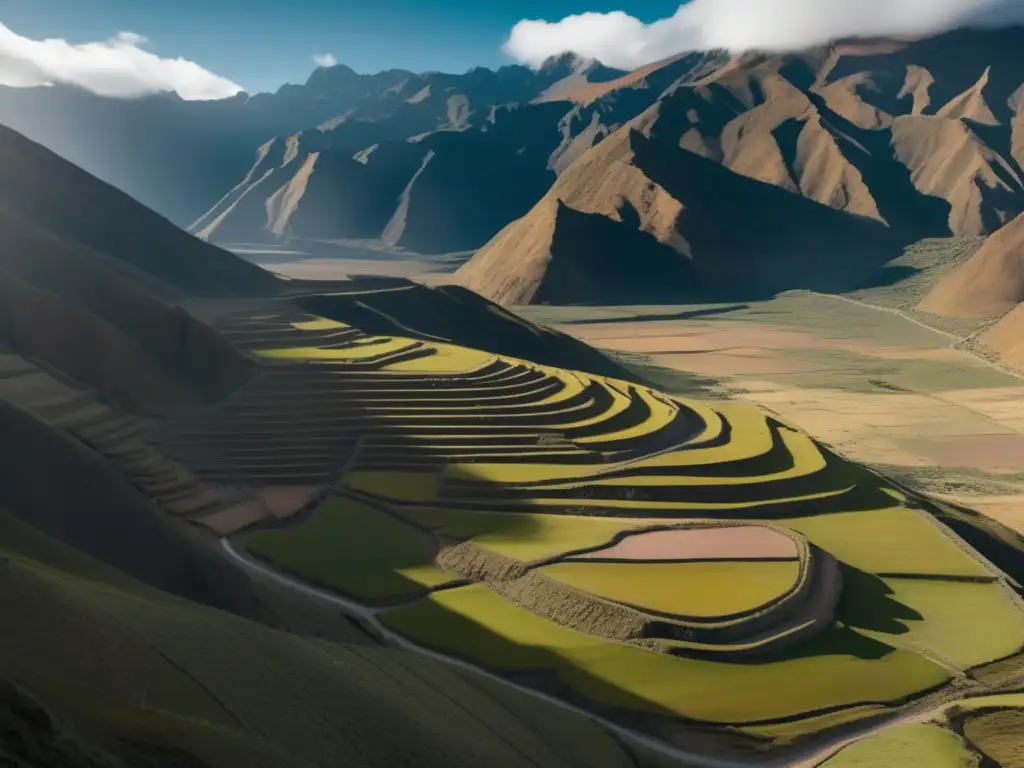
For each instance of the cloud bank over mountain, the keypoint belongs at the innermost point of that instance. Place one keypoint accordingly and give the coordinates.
(325, 60)
(620, 40)
(118, 67)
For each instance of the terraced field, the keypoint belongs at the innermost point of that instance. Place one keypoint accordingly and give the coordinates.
(679, 566)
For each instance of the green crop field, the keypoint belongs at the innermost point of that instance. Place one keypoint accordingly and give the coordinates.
(354, 549)
(968, 624)
(161, 679)
(892, 540)
(523, 536)
(474, 623)
(917, 744)
(698, 590)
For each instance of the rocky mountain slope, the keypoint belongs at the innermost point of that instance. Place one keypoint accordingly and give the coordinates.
(854, 149)
(991, 282)
(440, 173)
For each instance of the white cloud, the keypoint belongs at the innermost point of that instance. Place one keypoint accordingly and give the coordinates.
(116, 67)
(325, 60)
(620, 40)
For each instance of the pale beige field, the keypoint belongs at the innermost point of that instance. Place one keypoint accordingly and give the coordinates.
(876, 387)
(749, 542)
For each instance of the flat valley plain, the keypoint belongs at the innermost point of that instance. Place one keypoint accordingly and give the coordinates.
(880, 386)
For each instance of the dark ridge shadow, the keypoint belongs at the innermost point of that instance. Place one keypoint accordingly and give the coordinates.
(1000, 138)
(867, 602)
(685, 315)
(957, 60)
(835, 641)
(889, 275)
(787, 137)
(472, 185)
(906, 210)
(589, 263)
(459, 316)
(344, 198)
(785, 241)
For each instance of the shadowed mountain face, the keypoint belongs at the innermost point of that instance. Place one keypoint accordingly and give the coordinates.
(180, 157)
(922, 138)
(442, 172)
(87, 276)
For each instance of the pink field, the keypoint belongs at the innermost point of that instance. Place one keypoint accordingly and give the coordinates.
(285, 500)
(746, 542)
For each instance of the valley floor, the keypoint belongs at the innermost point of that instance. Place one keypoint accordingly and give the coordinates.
(882, 388)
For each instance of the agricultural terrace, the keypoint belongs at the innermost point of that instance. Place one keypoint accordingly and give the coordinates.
(658, 560)
(978, 731)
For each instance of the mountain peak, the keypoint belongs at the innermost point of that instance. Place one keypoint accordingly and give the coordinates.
(333, 76)
(570, 61)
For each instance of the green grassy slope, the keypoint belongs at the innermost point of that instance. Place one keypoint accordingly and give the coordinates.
(100, 670)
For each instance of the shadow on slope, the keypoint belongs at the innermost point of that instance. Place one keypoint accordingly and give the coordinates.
(186, 350)
(596, 259)
(64, 489)
(455, 315)
(752, 240)
(54, 195)
(685, 315)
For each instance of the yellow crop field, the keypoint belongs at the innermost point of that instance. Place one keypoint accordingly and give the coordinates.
(476, 624)
(967, 623)
(523, 536)
(995, 701)
(447, 359)
(807, 460)
(318, 324)
(662, 412)
(784, 733)
(893, 540)
(698, 589)
(913, 744)
(354, 549)
(366, 348)
(750, 437)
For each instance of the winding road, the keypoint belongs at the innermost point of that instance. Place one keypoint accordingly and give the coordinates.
(810, 756)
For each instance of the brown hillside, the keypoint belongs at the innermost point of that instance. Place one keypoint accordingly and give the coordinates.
(989, 284)
(1006, 337)
(642, 217)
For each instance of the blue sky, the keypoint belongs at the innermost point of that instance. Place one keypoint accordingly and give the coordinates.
(272, 41)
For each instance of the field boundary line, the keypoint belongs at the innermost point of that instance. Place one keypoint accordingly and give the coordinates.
(958, 341)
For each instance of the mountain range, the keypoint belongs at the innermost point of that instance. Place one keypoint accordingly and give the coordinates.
(700, 167)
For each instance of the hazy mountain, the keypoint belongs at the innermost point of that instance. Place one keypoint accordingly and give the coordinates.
(179, 157)
(439, 174)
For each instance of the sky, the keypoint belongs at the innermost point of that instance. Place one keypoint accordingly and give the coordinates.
(205, 49)
(274, 41)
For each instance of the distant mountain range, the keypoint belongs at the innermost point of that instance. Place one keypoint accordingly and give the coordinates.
(703, 174)
(179, 157)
